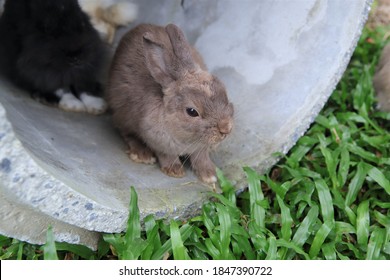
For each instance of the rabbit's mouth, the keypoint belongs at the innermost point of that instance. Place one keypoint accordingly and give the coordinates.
(216, 139)
(221, 133)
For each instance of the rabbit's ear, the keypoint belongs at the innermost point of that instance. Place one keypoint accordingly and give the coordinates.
(157, 60)
(181, 48)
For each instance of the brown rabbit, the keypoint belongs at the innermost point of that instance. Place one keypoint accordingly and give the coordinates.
(165, 103)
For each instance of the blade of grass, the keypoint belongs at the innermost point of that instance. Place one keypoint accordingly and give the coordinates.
(245, 246)
(380, 178)
(382, 219)
(280, 189)
(319, 238)
(20, 251)
(344, 228)
(151, 234)
(228, 189)
(79, 250)
(351, 215)
(329, 251)
(360, 152)
(344, 165)
(103, 248)
(305, 192)
(338, 198)
(153, 243)
(185, 232)
(303, 232)
(386, 248)
(356, 183)
(228, 203)
(225, 231)
(212, 250)
(133, 230)
(207, 212)
(178, 249)
(376, 243)
(363, 223)
(115, 240)
(257, 237)
(302, 172)
(133, 245)
(376, 141)
(134, 250)
(49, 249)
(290, 245)
(198, 253)
(326, 202)
(297, 154)
(331, 159)
(349, 248)
(272, 249)
(323, 121)
(256, 194)
(236, 249)
(10, 251)
(286, 219)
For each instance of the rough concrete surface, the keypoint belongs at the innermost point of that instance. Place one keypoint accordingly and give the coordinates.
(280, 61)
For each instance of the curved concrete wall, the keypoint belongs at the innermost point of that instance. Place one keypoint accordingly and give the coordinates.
(280, 61)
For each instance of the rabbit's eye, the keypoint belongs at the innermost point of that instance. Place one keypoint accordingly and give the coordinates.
(192, 112)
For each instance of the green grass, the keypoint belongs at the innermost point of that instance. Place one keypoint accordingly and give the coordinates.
(329, 198)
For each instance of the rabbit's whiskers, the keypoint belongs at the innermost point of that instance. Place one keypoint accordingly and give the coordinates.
(188, 151)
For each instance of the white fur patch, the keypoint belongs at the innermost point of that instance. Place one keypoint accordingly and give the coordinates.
(107, 15)
(210, 180)
(94, 105)
(122, 13)
(60, 92)
(69, 102)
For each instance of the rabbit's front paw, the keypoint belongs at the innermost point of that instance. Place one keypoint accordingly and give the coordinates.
(141, 156)
(94, 105)
(68, 102)
(207, 176)
(203, 167)
(138, 152)
(175, 170)
(171, 165)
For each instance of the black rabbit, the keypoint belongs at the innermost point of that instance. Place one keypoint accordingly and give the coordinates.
(50, 49)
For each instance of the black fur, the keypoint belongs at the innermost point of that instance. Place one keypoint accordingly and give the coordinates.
(46, 45)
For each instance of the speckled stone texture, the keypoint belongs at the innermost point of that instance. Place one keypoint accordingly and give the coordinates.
(280, 61)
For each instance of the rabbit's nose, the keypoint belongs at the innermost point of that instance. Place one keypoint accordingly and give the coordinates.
(225, 127)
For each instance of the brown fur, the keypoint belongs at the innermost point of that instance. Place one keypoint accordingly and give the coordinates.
(381, 80)
(155, 76)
